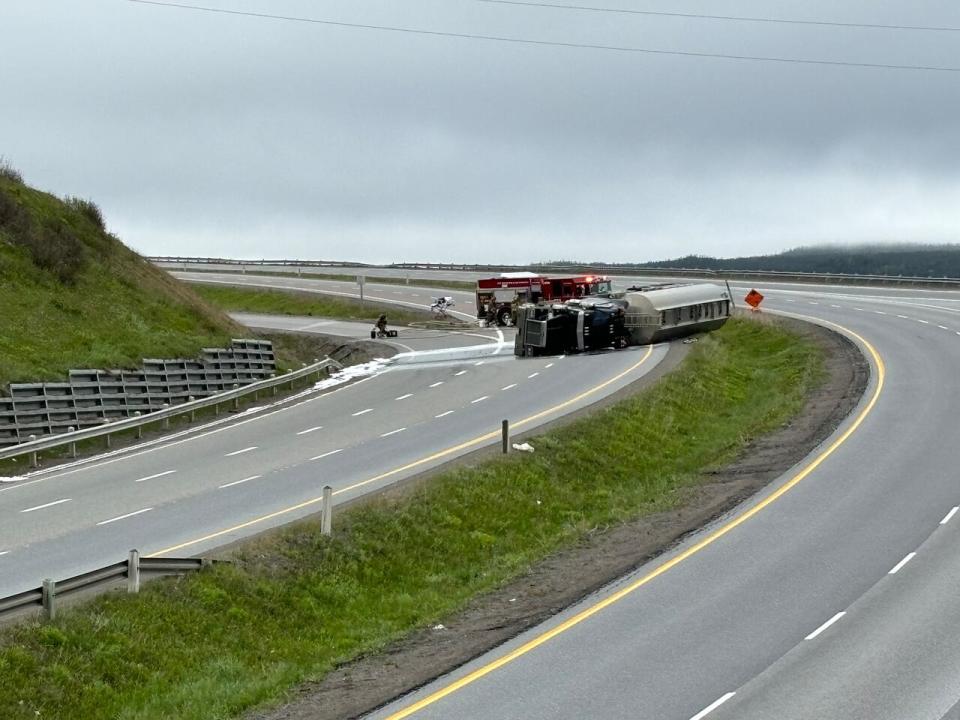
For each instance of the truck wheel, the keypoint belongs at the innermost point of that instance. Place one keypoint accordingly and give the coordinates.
(503, 316)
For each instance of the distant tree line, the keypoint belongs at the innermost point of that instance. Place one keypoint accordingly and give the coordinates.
(935, 261)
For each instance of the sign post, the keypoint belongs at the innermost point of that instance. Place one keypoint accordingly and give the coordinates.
(360, 281)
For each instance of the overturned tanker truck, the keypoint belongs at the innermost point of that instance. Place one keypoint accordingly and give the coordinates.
(639, 316)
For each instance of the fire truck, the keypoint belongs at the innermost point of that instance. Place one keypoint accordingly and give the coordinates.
(497, 297)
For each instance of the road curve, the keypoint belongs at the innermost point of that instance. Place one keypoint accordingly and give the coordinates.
(796, 612)
(188, 493)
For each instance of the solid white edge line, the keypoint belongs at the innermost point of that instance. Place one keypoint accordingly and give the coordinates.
(393, 432)
(827, 624)
(157, 475)
(310, 430)
(362, 412)
(404, 397)
(949, 515)
(509, 387)
(479, 399)
(124, 517)
(240, 452)
(327, 454)
(50, 504)
(444, 414)
(896, 568)
(237, 482)
(713, 706)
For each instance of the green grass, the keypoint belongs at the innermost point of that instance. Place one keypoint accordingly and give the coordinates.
(295, 603)
(420, 282)
(115, 310)
(282, 302)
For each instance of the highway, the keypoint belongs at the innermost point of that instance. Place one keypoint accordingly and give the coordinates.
(833, 594)
(443, 396)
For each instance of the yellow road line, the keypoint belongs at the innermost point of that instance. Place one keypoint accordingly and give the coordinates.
(673, 562)
(416, 463)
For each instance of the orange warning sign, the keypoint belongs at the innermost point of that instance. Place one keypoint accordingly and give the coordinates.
(753, 299)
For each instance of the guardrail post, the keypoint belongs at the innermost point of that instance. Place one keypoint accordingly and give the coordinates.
(505, 436)
(166, 420)
(137, 414)
(73, 445)
(133, 572)
(236, 400)
(33, 455)
(193, 413)
(49, 599)
(326, 517)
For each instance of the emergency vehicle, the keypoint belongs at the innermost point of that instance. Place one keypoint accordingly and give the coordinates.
(498, 296)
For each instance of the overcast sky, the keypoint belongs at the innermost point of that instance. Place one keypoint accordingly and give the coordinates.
(221, 135)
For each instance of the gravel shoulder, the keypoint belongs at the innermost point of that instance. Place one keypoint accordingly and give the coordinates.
(369, 682)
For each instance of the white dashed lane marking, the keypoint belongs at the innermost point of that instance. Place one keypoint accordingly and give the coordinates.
(462, 372)
(362, 412)
(46, 505)
(437, 384)
(310, 430)
(241, 452)
(827, 624)
(404, 397)
(4, 552)
(393, 432)
(532, 375)
(444, 414)
(943, 327)
(240, 482)
(154, 477)
(509, 387)
(479, 399)
(713, 706)
(925, 322)
(124, 517)
(949, 515)
(548, 365)
(903, 317)
(896, 568)
(327, 454)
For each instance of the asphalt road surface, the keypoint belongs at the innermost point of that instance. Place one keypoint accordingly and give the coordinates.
(837, 597)
(443, 396)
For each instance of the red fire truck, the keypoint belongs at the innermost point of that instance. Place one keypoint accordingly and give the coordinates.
(497, 296)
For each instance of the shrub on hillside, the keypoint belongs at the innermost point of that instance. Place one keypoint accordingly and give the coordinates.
(52, 247)
(57, 250)
(89, 209)
(8, 172)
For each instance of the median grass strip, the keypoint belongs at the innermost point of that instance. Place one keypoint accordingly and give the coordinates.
(320, 275)
(294, 604)
(281, 302)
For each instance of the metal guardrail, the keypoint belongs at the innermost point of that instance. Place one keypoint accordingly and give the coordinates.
(135, 567)
(48, 595)
(71, 438)
(604, 269)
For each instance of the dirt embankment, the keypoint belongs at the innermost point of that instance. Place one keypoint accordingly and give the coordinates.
(369, 682)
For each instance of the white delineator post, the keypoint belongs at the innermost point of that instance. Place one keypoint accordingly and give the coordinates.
(326, 517)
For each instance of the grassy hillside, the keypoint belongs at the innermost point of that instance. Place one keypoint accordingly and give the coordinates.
(73, 296)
